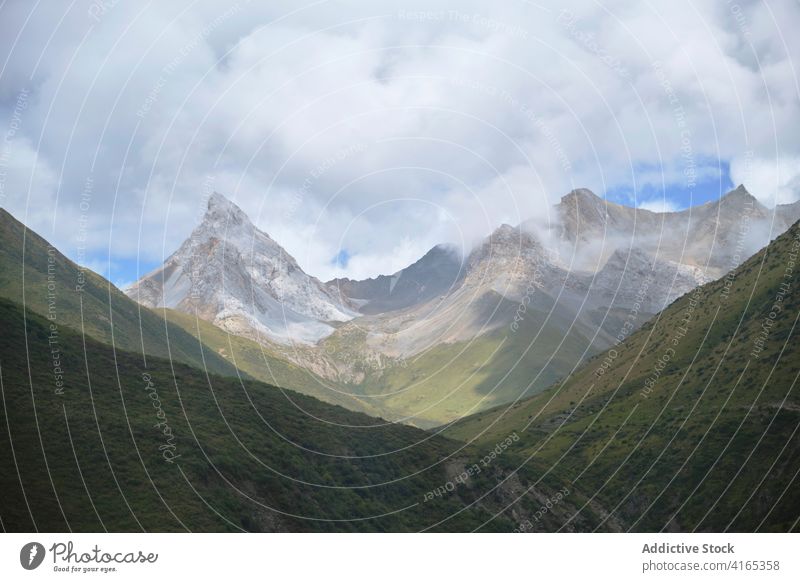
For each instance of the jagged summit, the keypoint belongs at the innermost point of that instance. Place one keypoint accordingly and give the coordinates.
(578, 194)
(589, 205)
(219, 206)
(504, 230)
(234, 275)
(439, 271)
(567, 283)
(219, 201)
(225, 218)
(507, 239)
(740, 195)
(585, 202)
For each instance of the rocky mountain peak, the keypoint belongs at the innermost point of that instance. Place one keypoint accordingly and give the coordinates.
(438, 272)
(505, 247)
(740, 195)
(504, 232)
(584, 205)
(221, 212)
(234, 275)
(224, 221)
(580, 194)
(508, 239)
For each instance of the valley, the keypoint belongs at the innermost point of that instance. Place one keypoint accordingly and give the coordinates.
(540, 387)
(459, 331)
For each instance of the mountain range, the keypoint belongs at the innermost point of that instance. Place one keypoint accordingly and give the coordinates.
(456, 333)
(692, 423)
(126, 418)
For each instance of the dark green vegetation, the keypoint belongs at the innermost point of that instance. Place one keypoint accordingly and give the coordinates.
(246, 455)
(35, 274)
(688, 426)
(691, 425)
(48, 283)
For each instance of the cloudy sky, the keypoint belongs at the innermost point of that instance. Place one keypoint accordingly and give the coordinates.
(359, 134)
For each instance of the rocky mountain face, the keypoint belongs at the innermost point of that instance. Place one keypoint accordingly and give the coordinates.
(230, 273)
(450, 335)
(437, 273)
(682, 446)
(511, 273)
(713, 237)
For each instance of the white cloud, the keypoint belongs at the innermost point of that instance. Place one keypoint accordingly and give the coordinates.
(772, 181)
(456, 116)
(659, 205)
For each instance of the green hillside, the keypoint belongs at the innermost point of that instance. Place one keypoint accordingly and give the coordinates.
(453, 379)
(94, 441)
(37, 275)
(692, 422)
(261, 363)
(51, 285)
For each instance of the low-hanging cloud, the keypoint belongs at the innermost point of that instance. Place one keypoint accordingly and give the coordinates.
(381, 128)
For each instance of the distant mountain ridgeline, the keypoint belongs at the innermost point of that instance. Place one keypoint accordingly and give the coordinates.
(451, 335)
(676, 426)
(691, 423)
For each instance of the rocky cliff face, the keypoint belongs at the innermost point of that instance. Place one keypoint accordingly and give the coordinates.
(437, 273)
(230, 273)
(710, 236)
(525, 302)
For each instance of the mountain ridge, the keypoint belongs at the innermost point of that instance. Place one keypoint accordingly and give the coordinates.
(690, 423)
(598, 273)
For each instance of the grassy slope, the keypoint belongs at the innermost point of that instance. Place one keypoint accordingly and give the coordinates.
(163, 333)
(445, 382)
(714, 444)
(24, 279)
(89, 459)
(260, 363)
(451, 380)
